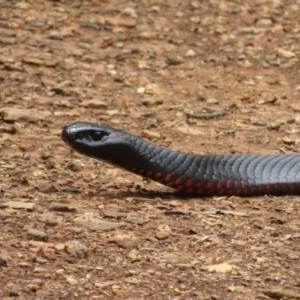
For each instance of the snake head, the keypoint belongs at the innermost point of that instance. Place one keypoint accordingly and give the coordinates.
(98, 141)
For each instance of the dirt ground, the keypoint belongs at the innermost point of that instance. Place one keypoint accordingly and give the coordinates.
(76, 228)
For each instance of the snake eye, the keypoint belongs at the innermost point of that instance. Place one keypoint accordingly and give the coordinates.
(97, 136)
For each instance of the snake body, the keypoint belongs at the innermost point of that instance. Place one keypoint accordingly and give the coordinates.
(202, 175)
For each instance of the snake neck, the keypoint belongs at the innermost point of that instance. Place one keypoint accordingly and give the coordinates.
(157, 163)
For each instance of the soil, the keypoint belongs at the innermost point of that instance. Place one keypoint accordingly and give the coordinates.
(76, 228)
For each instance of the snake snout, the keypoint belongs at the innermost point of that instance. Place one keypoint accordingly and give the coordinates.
(68, 136)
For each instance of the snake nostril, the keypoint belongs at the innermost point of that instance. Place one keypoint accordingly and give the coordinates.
(78, 136)
(64, 134)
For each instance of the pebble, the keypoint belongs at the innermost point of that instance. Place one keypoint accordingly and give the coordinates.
(76, 249)
(37, 235)
(55, 35)
(97, 224)
(286, 53)
(151, 134)
(14, 114)
(212, 101)
(190, 53)
(49, 219)
(264, 22)
(60, 247)
(127, 23)
(22, 5)
(152, 102)
(200, 96)
(141, 90)
(153, 89)
(129, 11)
(60, 91)
(162, 232)
(74, 167)
(18, 205)
(99, 69)
(14, 291)
(114, 213)
(134, 255)
(273, 126)
(122, 292)
(39, 244)
(288, 141)
(55, 206)
(47, 187)
(94, 103)
(175, 60)
(72, 281)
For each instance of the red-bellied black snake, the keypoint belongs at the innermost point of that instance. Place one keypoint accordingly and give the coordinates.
(203, 175)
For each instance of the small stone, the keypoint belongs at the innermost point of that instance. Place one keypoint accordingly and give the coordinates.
(141, 90)
(126, 242)
(74, 167)
(273, 126)
(112, 112)
(153, 89)
(32, 287)
(118, 78)
(286, 53)
(122, 292)
(39, 244)
(22, 5)
(61, 207)
(14, 291)
(129, 11)
(151, 134)
(47, 187)
(127, 23)
(250, 82)
(60, 91)
(99, 69)
(114, 213)
(18, 205)
(94, 103)
(152, 102)
(264, 22)
(72, 281)
(190, 53)
(288, 141)
(200, 96)
(246, 111)
(215, 297)
(142, 222)
(175, 60)
(212, 101)
(134, 255)
(97, 224)
(49, 219)
(14, 114)
(60, 247)
(162, 232)
(55, 35)
(76, 249)
(37, 235)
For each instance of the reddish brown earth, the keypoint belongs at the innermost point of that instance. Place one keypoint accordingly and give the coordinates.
(145, 67)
